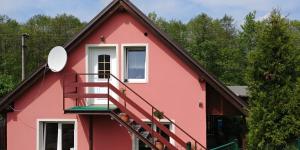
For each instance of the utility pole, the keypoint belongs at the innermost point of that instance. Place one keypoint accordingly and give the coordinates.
(24, 35)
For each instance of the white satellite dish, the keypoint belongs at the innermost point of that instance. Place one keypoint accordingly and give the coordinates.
(57, 59)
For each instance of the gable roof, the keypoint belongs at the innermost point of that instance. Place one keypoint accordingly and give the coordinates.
(126, 5)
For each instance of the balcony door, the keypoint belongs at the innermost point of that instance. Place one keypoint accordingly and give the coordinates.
(102, 61)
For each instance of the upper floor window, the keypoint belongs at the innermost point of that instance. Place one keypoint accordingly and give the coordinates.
(135, 68)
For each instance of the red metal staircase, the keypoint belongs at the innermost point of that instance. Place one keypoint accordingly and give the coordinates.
(75, 89)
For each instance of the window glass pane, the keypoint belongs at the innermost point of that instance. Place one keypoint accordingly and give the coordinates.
(100, 58)
(107, 74)
(100, 66)
(107, 58)
(103, 66)
(163, 134)
(136, 64)
(101, 74)
(107, 66)
(67, 136)
(51, 136)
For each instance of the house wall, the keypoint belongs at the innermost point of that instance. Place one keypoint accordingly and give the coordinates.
(113, 136)
(42, 101)
(172, 87)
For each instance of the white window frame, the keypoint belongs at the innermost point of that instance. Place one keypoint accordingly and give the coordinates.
(39, 127)
(135, 140)
(124, 64)
(88, 51)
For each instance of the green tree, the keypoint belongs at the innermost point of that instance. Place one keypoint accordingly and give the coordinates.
(44, 32)
(274, 102)
(178, 32)
(158, 21)
(214, 43)
(295, 27)
(248, 36)
(203, 45)
(9, 30)
(6, 84)
(39, 42)
(231, 60)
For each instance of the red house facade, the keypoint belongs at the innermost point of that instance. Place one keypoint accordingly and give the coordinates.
(126, 86)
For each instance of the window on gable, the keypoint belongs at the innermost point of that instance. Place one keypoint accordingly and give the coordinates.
(103, 66)
(135, 63)
(56, 136)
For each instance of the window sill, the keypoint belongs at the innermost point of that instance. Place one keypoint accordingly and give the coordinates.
(136, 81)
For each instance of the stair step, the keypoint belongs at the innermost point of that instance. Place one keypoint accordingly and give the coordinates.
(136, 127)
(151, 139)
(117, 111)
(145, 134)
(131, 121)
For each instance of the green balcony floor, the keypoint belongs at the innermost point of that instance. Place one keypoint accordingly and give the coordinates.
(92, 108)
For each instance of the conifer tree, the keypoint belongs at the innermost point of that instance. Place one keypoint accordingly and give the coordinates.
(274, 117)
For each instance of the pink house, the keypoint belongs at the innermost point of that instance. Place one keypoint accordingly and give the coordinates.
(126, 86)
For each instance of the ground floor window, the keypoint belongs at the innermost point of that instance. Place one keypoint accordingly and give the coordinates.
(56, 135)
(140, 145)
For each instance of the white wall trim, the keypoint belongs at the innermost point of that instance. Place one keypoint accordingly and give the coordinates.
(123, 46)
(38, 128)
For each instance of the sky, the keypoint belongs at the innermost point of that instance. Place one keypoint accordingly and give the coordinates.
(183, 10)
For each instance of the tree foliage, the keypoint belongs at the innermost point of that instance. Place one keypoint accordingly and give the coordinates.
(44, 33)
(274, 117)
(214, 43)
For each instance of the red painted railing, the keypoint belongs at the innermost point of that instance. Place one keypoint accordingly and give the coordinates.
(76, 85)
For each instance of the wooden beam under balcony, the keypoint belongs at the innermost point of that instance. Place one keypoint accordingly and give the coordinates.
(76, 95)
(86, 84)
